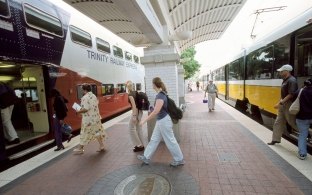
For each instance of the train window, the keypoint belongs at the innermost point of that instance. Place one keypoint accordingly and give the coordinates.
(281, 54)
(31, 94)
(121, 88)
(136, 59)
(80, 92)
(128, 56)
(79, 36)
(107, 89)
(220, 74)
(117, 51)
(216, 75)
(236, 70)
(305, 59)
(102, 45)
(304, 52)
(260, 64)
(138, 86)
(42, 21)
(4, 8)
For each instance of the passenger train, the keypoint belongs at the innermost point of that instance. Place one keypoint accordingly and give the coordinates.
(250, 81)
(43, 46)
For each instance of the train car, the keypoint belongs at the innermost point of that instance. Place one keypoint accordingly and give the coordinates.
(44, 46)
(203, 81)
(250, 81)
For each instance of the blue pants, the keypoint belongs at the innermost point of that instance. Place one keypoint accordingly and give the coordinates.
(303, 127)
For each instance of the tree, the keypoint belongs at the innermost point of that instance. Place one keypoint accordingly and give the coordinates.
(190, 65)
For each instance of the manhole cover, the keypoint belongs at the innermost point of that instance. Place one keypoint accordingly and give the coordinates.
(143, 184)
(155, 179)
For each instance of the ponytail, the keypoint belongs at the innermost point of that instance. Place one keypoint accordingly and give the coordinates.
(159, 84)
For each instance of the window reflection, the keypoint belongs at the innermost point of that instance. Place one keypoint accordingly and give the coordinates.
(121, 88)
(107, 89)
(304, 48)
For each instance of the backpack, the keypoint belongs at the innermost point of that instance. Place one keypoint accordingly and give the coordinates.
(174, 112)
(141, 101)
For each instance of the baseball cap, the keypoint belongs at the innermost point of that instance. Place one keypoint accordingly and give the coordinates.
(286, 67)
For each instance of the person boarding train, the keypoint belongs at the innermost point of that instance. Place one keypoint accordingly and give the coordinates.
(288, 89)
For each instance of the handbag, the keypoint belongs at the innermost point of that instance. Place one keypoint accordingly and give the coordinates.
(205, 100)
(66, 129)
(295, 106)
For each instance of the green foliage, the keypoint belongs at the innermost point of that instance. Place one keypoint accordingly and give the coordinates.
(190, 65)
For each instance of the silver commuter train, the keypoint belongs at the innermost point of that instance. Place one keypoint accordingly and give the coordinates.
(43, 46)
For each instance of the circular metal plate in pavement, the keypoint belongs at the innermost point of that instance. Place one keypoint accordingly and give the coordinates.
(153, 179)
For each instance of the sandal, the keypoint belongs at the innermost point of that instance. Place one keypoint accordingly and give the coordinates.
(101, 149)
(78, 150)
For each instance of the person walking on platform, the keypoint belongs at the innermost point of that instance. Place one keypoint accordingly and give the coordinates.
(7, 101)
(60, 112)
(304, 118)
(288, 89)
(91, 126)
(134, 127)
(212, 91)
(163, 128)
(197, 85)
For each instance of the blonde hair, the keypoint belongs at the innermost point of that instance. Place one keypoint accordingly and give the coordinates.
(129, 86)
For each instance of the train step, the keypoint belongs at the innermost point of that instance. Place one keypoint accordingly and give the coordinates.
(30, 150)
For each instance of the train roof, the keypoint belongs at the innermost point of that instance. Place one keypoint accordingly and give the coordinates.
(283, 30)
(90, 25)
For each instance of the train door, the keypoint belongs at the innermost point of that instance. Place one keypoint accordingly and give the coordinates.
(29, 117)
(303, 59)
(303, 54)
(226, 72)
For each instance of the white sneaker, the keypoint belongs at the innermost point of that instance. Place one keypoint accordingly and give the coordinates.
(143, 159)
(177, 163)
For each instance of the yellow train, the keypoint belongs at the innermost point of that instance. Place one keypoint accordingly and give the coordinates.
(250, 81)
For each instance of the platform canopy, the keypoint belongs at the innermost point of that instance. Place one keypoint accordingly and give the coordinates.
(143, 22)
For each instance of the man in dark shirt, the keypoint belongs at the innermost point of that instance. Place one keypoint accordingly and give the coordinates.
(288, 89)
(60, 112)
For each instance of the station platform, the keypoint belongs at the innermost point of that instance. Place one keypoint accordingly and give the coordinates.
(225, 153)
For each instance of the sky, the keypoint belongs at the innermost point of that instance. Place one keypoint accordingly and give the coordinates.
(215, 53)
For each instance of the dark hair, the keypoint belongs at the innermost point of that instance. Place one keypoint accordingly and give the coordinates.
(55, 92)
(159, 84)
(86, 87)
(308, 82)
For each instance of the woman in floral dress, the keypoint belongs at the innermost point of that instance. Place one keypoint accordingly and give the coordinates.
(91, 126)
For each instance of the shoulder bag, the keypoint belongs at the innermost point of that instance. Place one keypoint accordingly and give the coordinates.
(295, 106)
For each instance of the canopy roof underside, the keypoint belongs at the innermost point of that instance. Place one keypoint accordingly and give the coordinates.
(207, 19)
